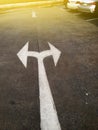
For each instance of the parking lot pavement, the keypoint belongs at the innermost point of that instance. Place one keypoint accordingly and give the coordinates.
(85, 16)
(48, 70)
(89, 18)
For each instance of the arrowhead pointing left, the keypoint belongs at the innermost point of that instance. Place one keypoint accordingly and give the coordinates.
(23, 54)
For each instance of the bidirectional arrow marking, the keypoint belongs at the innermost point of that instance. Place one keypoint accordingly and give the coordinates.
(48, 113)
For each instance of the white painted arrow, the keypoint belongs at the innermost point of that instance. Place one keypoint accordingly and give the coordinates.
(49, 118)
(34, 15)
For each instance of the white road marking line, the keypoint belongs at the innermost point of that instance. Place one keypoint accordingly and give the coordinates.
(49, 118)
(91, 19)
(34, 15)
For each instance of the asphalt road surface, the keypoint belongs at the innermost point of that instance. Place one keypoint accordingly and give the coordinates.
(73, 81)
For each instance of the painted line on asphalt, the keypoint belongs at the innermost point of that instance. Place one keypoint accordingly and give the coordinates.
(91, 19)
(34, 14)
(49, 117)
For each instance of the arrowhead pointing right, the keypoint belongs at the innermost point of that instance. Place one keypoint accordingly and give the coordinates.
(23, 54)
(55, 53)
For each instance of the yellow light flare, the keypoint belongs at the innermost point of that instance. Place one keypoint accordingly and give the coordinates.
(15, 1)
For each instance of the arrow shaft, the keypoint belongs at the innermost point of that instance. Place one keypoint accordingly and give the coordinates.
(49, 118)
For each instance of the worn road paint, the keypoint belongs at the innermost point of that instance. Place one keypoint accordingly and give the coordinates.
(34, 15)
(48, 113)
(91, 19)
